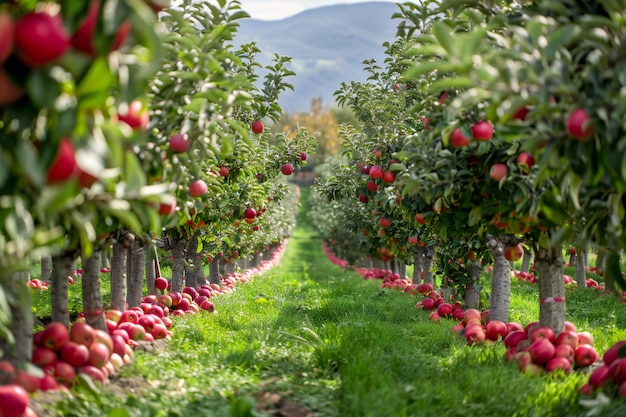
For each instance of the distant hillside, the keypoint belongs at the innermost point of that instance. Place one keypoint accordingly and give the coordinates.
(327, 45)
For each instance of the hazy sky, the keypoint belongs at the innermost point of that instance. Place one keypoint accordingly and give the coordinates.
(279, 9)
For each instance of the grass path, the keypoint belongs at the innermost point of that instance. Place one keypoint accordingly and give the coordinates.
(321, 341)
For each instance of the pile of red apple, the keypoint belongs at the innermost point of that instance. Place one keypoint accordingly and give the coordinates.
(61, 355)
(333, 258)
(610, 376)
(537, 349)
(433, 301)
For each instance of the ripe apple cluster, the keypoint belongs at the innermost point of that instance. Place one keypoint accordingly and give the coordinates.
(63, 354)
(610, 376)
(537, 349)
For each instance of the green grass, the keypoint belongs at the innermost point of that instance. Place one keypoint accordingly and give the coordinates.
(338, 345)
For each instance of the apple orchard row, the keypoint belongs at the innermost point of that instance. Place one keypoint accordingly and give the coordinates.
(132, 119)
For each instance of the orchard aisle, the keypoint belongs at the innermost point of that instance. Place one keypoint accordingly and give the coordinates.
(309, 339)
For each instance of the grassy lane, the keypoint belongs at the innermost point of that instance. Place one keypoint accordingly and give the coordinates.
(328, 341)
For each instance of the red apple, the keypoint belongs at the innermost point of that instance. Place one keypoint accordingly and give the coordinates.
(568, 338)
(514, 338)
(525, 161)
(147, 321)
(375, 172)
(224, 171)
(617, 371)
(514, 252)
(428, 304)
(137, 333)
(585, 338)
(482, 131)
(614, 352)
(585, 355)
(30, 382)
(198, 188)
(129, 316)
(104, 337)
(64, 166)
(10, 91)
(257, 127)
(287, 169)
(167, 206)
(82, 39)
(43, 356)
(542, 332)
(444, 309)
(569, 326)
(13, 400)
(135, 115)
(496, 329)
(559, 363)
(541, 351)
(599, 377)
(179, 143)
(384, 222)
(159, 331)
(565, 351)
(160, 283)
(498, 171)
(389, 177)
(513, 325)
(580, 126)
(74, 353)
(64, 373)
(91, 371)
(7, 35)
(419, 218)
(98, 355)
(458, 139)
(40, 38)
(249, 213)
(55, 335)
(83, 333)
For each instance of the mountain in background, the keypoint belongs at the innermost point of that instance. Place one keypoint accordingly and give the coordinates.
(327, 45)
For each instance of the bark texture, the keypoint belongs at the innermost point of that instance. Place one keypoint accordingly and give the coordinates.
(471, 298)
(418, 264)
(500, 282)
(21, 327)
(549, 266)
(429, 257)
(61, 269)
(46, 269)
(214, 271)
(178, 264)
(149, 254)
(581, 274)
(118, 275)
(192, 260)
(135, 277)
(92, 299)
(526, 261)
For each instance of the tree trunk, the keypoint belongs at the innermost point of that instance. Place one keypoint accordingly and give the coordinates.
(402, 269)
(526, 261)
(135, 277)
(500, 282)
(198, 266)
(600, 261)
(549, 265)
(429, 255)
(19, 349)
(418, 264)
(92, 299)
(471, 297)
(581, 274)
(149, 265)
(230, 268)
(46, 269)
(214, 271)
(118, 276)
(192, 260)
(178, 264)
(62, 267)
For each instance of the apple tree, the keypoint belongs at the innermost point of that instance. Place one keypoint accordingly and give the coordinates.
(536, 70)
(66, 160)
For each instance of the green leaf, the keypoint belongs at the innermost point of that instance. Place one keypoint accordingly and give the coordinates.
(474, 216)
(444, 37)
(613, 274)
(134, 175)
